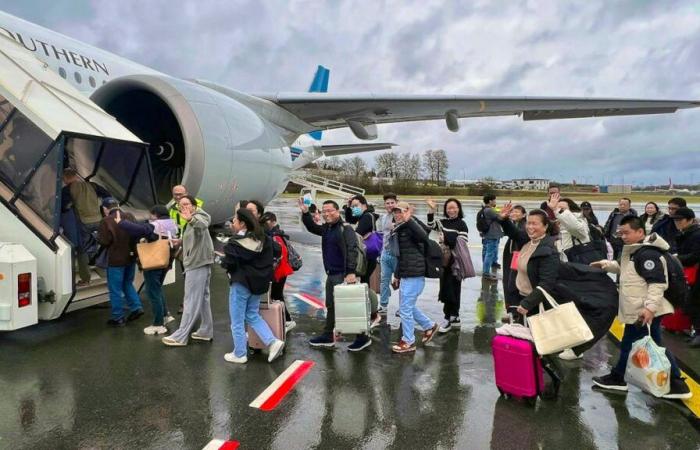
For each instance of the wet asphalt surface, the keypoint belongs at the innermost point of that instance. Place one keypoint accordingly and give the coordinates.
(77, 384)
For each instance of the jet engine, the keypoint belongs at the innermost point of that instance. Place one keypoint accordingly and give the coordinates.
(219, 148)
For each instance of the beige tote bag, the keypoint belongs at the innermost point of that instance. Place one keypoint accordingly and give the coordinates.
(154, 255)
(558, 328)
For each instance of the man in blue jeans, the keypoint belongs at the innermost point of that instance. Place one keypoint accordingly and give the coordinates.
(387, 260)
(490, 238)
(121, 268)
(643, 281)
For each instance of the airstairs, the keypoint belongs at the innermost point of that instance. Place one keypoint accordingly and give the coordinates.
(315, 183)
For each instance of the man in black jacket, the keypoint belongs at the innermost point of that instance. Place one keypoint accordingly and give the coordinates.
(688, 248)
(612, 225)
(339, 250)
(665, 226)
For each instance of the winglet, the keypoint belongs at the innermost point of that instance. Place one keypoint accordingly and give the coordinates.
(319, 84)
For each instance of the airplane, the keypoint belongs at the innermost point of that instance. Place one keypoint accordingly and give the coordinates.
(308, 146)
(226, 145)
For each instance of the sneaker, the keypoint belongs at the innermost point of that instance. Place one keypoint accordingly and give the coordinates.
(289, 326)
(323, 340)
(403, 347)
(445, 326)
(455, 322)
(81, 284)
(275, 350)
(381, 309)
(376, 321)
(362, 341)
(134, 315)
(679, 390)
(155, 329)
(168, 319)
(198, 337)
(116, 322)
(611, 382)
(490, 276)
(170, 342)
(569, 355)
(398, 313)
(230, 357)
(495, 266)
(429, 334)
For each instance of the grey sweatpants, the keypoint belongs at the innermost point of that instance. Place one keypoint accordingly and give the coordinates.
(196, 305)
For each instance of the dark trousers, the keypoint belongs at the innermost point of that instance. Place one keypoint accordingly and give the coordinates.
(371, 265)
(450, 293)
(634, 333)
(692, 306)
(331, 282)
(277, 293)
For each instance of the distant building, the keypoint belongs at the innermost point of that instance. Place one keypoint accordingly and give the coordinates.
(531, 184)
(462, 183)
(616, 189)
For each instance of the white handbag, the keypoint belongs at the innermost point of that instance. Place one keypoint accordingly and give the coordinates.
(558, 328)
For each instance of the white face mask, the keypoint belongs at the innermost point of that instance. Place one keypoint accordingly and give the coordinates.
(241, 233)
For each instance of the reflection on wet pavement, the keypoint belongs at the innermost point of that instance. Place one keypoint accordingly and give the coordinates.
(76, 384)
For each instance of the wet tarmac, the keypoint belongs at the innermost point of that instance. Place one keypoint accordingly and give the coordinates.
(77, 384)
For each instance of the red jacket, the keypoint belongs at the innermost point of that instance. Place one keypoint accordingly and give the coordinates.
(283, 269)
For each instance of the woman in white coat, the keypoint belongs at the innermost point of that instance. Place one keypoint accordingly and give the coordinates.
(573, 226)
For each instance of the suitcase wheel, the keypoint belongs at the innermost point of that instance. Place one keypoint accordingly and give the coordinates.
(531, 401)
(253, 351)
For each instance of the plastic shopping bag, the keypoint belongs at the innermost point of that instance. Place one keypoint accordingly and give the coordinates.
(648, 367)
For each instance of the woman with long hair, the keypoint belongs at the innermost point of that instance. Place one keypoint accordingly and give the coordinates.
(652, 214)
(248, 262)
(449, 227)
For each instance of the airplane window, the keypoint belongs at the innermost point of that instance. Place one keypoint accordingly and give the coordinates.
(62, 72)
(92, 82)
(78, 78)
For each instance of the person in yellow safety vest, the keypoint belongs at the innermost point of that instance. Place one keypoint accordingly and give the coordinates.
(178, 192)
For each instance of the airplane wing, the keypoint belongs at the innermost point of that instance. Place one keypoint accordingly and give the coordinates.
(328, 111)
(348, 149)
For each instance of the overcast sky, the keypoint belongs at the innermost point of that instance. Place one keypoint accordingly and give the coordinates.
(634, 49)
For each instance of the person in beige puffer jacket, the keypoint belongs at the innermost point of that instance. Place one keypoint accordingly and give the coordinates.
(643, 281)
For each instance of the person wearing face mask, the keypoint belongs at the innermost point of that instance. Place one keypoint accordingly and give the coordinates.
(248, 262)
(450, 226)
(652, 214)
(365, 224)
(387, 260)
(510, 291)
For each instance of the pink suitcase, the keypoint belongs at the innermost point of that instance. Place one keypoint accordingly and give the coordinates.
(518, 367)
(273, 314)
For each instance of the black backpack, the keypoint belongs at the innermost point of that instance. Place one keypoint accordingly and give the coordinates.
(293, 257)
(677, 291)
(433, 259)
(482, 224)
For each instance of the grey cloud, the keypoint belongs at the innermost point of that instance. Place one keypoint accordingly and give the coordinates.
(610, 49)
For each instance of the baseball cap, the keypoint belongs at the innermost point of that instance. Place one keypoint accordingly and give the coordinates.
(683, 213)
(109, 202)
(402, 206)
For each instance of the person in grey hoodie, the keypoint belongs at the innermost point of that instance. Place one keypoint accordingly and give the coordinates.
(197, 258)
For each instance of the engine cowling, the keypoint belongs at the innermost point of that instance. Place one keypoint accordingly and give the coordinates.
(216, 146)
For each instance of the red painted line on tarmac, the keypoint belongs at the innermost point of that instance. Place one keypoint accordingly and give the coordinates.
(218, 444)
(311, 300)
(283, 385)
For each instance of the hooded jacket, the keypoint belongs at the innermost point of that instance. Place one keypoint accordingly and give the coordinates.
(119, 244)
(248, 261)
(643, 279)
(197, 246)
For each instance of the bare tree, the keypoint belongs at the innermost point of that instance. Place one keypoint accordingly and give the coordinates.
(429, 165)
(441, 165)
(355, 167)
(409, 167)
(386, 164)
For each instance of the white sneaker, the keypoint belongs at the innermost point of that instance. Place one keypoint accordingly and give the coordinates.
(289, 326)
(569, 355)
(382, 309)
(155, 329)
(230, 357)
(445, 326)
(275, 350)
(170, 342)
(168, 319)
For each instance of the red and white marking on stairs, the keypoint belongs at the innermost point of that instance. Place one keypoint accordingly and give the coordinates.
(273, 395)
(311, 300)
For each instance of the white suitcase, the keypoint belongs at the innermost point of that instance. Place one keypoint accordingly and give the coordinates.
(352, 308)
